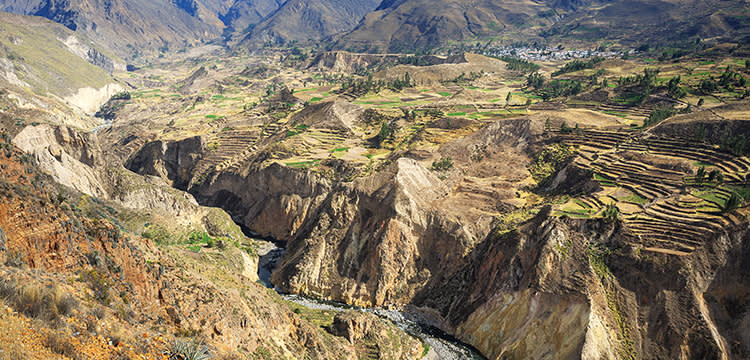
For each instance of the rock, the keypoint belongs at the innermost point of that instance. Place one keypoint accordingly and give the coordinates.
(353, 325)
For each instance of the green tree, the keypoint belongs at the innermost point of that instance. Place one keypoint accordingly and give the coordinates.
(547, 125)
(700, 174)
(733, 202)
(508, 98)
(611, 213)
(700, 102)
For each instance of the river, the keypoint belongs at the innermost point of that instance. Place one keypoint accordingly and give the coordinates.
(442, 346)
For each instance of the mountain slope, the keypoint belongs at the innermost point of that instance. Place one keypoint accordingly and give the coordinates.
(129, 27)
(244, 13)
(304, 20)
(402, 25)
(45, 68)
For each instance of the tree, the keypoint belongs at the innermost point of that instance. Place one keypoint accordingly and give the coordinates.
(700, 174)
(733, 202)
(508, 98)
(547, 125)
(700, 102)
(715, 174)
(611, 213)
(578, 130)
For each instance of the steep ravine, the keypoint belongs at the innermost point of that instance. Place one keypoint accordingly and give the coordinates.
(554, 288)
(442, 346)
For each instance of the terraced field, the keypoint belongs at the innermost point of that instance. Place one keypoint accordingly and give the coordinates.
(664, 206)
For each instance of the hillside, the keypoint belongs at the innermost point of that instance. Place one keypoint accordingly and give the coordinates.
(298, 20)
(53, 73)
(413, 25)
(245, 13)
(523, 179)
(129, 27)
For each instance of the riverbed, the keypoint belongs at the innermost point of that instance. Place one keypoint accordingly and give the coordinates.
(442, 346)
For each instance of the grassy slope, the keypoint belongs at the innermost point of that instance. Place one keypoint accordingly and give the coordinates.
(42, 60)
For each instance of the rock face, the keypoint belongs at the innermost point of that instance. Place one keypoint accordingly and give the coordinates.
(93, 56)
(67, 155)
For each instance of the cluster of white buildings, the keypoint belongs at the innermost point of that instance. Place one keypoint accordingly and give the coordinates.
(548, 54)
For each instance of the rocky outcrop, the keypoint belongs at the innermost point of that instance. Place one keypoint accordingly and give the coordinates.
(93, 56)
(365, 330)
(171, 161)
(65, 154)
(336, 115)
(90, 99)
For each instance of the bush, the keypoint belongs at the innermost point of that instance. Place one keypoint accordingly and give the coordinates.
(187, 349)
(659, 114)
(34, 300)
(445, 163)
(59, 343)
(611, 213)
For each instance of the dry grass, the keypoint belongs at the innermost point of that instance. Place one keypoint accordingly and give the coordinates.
(59, 343)
(37, 301)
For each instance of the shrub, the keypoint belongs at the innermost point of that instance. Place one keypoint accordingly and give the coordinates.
(445, 163)
(59, 343)
(187, 349)
(36, 301)
(611, 213)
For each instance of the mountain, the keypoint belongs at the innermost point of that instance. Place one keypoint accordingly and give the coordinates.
(404, 25)
(302, 20)
(244, 13)
(47, 69)
(130, 27)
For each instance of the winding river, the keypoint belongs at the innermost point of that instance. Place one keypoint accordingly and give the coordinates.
(442, 346)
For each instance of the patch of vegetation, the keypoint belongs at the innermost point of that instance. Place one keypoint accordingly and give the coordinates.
(187, 349)
(37, 301)
(552, 89)
(549, 161)
(611, 213)
(368, 85)
(577, 65)
(635, 199)
(303, 164)
(445, 163)
(659, 114)
(735, 144)
(518, 64)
